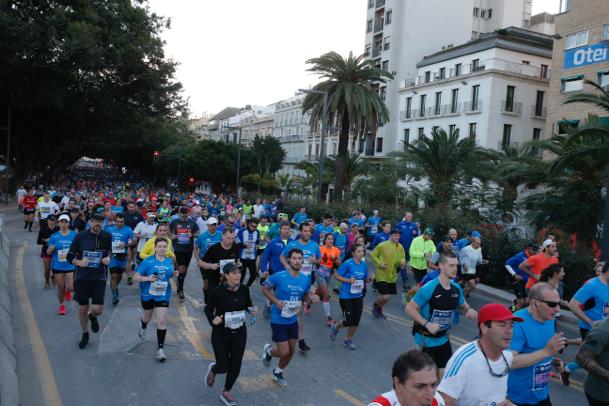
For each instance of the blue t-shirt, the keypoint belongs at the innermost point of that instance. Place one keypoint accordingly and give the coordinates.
(443, 317)
(117, 209)
(374, 225)
(62, 246)
(299, 218)
(356, 220)
(287, 288)
(408, 230)
(515, 262)
(462, 243)
(159, 291)
(530, 385)
(349, 269)
(310, 249)
(322, 231)
(379, 238)
(206, 240)
(340, 242)
(597, 290)
(430, 276)
(119, 235)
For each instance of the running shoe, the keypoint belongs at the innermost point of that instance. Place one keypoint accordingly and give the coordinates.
(308, 309)
(303, 347)
(330, 321)
(266, 355)
(115, 301)
(228, 399)
(62, 310)
(160, 355)
(94, 323)
(68, 296)
(84, 341)
(279, 379)
(375, 311)
(181, 295)
(333, 332)
(267, 311)
(348, 344)
(210, 378)
(141, 333)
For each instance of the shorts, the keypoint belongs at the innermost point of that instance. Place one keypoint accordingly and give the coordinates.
(151, 304)
(61, 271)
(468, 276)
(440, 353)
(284, 332)
(27, 212)
(183, 258)
(419, 274)
(519, 290)
(322, 280)
(117, 269)
(260, 251)
(545, 402)
(89, 289)
(386, 288)
(352, 311)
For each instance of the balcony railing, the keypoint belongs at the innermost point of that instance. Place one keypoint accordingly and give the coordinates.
(376, 52)
(538, 112)
(380, 3)
(472, 106)
(378, 25)
(406, 115)
(503, 145)
(511, 107)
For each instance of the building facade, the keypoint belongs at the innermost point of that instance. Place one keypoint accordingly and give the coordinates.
(581, 51)
(399, 33)
(492, 89)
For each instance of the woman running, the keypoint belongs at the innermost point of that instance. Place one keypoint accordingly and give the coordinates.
(226, 309)
(63, 271)
(330, 259)
(162, 231)
(154, 274)
(47, 229)
(353, 274)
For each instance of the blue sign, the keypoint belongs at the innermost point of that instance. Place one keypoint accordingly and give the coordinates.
(583, 56)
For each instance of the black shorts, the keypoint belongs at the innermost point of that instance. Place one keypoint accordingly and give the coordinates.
(260, 251)
(27, 212)
(545, 402)
(386, 288)
(468, 276)
(440, 354)
(352, 311)
(151, 304)
(61, 271)
(116, 269)
(419, 274)
(519, 290)
(284, 332)
(183, 258)
(89, 289)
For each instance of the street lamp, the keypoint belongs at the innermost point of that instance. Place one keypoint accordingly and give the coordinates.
(238, 157)
(324, 124)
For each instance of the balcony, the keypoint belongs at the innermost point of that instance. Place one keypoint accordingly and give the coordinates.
(501, 145)
(510, 107)
(539, 112)
(406, 115)
(379, 24)
(376, 52)
(380, 3)
(472, 107)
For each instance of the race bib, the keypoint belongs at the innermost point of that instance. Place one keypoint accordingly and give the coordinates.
(542, 374)
(224, 262)
(158, 288)
(357, 287)
(183, 238)
(234, 320)
(290, 308)
(249, 252)
(306, 269)
(117, 247)
(606, 309)
(442, 317)
(374, 229)
(323, 271)
(62, 255)
(94, 258)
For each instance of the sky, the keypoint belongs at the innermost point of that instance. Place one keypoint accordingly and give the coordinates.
(238, 52)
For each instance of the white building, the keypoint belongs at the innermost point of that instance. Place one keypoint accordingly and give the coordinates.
(493, 89)
(250, 120)
(399, 33)
(291, 128)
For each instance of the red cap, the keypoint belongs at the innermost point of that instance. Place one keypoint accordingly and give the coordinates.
(495, 312)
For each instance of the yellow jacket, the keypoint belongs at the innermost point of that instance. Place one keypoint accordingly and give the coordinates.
(148, 249)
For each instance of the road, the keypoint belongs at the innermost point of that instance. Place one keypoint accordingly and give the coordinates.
(118, 369)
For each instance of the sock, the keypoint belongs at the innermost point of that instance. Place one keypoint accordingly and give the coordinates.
(326, 306)
(277, 370)
(25, 226)
(160, 337)
(144, 325)
(30, 224)
(181, 282)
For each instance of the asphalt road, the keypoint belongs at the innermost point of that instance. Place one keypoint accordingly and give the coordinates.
(118, 369)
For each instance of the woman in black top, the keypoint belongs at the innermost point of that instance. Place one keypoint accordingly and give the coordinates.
(47, 229)
(226, 310)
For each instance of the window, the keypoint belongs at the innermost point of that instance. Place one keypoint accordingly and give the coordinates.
(370, 3)
(539, 104)
(526, 62)
(605, 34)
(422, 105)
(427, 76)
(565, 126)
(576, 39)
(379, 144)
(383, 93)
(385, 65)
(565, 5)
(362, 144)
(476, 11)
(507, 134)
(406, 139)
(387, 43)
(388, 16)
(509, 98)
(472, 131)
(475, 65)
(572, 84)
(483, 14)
(369, 26)
(316, 149)
(421, 132)
(310, 149)
(603, 80)
(458, 69)
(442, 73)
(454, 101)
(438, 103)
(452, 128)
(536, 134)
(435, 128)
(475, 96)
(489, 13)
(408, 107)
(543, 72)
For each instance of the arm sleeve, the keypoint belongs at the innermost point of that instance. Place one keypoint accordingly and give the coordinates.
(375, 256)
(518, 338)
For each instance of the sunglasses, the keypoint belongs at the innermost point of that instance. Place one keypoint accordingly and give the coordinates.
(549, 303)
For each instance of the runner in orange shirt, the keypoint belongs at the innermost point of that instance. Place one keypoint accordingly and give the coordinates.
(537, 263)
(330, 260)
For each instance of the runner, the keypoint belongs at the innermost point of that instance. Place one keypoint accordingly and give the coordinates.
(512, 265)
(433, 312)
(270, 262)
(58, 247)
(183, 230)
(594, 356)
(248, 239)
(330, 260)
(154, 275)
(218, 255)
(286, 290)
(29, 209)
(143, 232)
(353, 274)
(90, 252)
(469, 258)
(300, 217)
(387, 257)
(421, 250)
(20, 194)
(45, 207)
(274, 229)
(535, 264)
(381, 236)
(414, 377)
(76, 222)
(122, 239)
(263, 230)
(162, 231)
(408, 231)
(47, 229)
(132, 219)
(372, 225)
(226, 312)
(323, 228)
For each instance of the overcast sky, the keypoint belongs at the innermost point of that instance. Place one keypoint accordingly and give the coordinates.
(238, 52)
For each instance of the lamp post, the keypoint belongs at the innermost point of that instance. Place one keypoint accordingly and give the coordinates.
(238, 157)
(324, 124)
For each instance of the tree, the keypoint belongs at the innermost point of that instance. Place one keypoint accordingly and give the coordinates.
(355, 167)
(381, 183)
(267, 154)
(353, 101)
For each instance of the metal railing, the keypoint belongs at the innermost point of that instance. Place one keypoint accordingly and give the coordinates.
(406, 115)
(538, 112)
(503, 145)
(472, 106)
(511, 107)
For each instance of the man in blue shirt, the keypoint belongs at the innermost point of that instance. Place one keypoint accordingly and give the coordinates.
(286, 290)
(383, 235)
(122, 238)
(300, 217)
(325, 227)
(408, 231)
(512, 265)
(270, 263)
(373, 225)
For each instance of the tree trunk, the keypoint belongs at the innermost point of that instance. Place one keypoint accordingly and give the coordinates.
(341, 158)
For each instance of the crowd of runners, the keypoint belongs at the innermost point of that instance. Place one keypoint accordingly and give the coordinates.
(93, 234)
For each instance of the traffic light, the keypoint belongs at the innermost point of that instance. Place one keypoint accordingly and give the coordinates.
(156, 155)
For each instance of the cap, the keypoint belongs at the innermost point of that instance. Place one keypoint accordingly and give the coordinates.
(150, 214)
(547, 243)
(476, 234)
(212, 220)
(98, 217)
(428, 231)
(394, 231)
(229, 267)
(64, 217)
(495, 312)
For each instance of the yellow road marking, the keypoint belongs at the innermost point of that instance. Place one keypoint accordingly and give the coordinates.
(348, 398)
(251, 384)
(190, 331)
(50, 393)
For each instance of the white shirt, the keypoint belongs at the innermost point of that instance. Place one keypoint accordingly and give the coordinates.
(258, 210)
(64, 202)
(44, 209)
(145, 231)
(469, 257)
(468, 380)
(202, 225)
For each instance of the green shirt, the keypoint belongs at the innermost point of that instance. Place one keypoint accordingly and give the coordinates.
(418, 248)
(597, 342)
(391, 254)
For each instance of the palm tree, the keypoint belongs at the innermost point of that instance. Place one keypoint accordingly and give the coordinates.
(353, 101)
(599, 99)
(355, 167)
(443, 159)
(285, 182)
